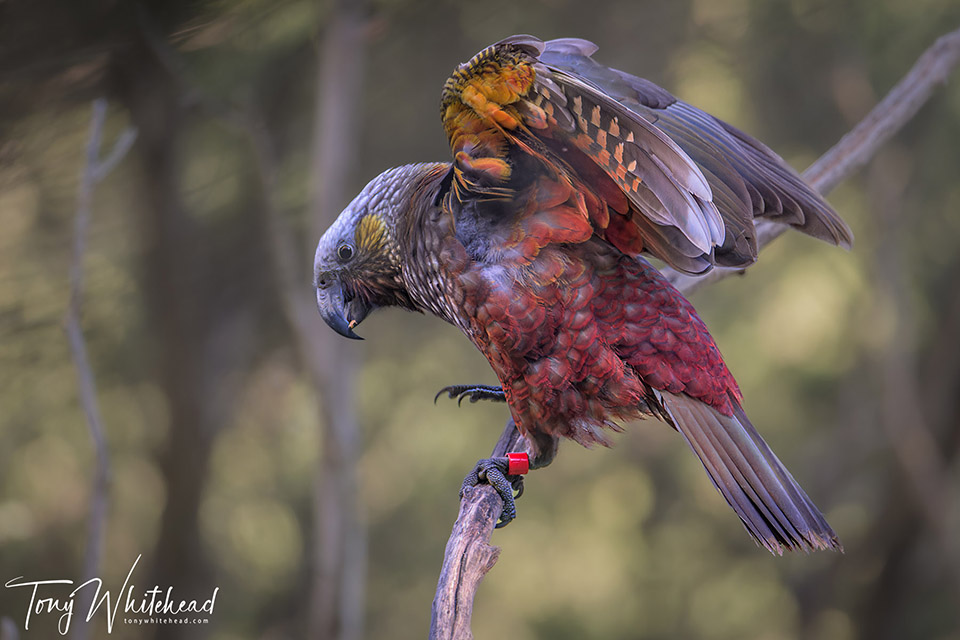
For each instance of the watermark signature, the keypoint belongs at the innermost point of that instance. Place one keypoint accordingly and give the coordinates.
(154, 606)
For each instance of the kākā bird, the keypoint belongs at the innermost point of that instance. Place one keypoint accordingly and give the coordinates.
(565, 173)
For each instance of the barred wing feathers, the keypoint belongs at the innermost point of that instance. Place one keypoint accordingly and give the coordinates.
(537, 126)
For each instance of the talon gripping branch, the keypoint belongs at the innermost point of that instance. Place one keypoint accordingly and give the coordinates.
(531, 241)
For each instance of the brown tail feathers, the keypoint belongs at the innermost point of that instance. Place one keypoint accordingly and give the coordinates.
(772, 506)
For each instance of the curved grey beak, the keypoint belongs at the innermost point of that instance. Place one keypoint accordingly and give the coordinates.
(334, 311)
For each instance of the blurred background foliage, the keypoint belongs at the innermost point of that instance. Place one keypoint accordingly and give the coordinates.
(846, 359)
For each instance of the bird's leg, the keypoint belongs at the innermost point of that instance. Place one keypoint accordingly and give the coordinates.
(474, 392)
(513, 456)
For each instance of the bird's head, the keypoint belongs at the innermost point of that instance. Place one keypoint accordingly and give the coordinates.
(359, 262)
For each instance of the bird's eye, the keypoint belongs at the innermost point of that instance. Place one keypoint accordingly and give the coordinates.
(344, 252)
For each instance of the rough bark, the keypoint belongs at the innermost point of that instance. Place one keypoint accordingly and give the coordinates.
(469, 556)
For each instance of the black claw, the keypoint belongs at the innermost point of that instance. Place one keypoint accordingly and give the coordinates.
(517, 486)
(474, 392)
(493, 472)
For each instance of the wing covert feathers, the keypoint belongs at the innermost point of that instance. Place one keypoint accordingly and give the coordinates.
(770, 503)
(747, 179)
(677, 182)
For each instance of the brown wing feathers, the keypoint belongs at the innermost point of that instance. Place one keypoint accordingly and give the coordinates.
(747, 178)
(693, 183)
(664, 186)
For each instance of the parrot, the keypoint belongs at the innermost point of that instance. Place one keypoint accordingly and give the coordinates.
(566, 176)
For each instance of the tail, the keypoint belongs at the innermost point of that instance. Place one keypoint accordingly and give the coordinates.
(772, 506)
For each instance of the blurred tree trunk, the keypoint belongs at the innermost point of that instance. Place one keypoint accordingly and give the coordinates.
(919, 410)
(197, 291)
(340, 550)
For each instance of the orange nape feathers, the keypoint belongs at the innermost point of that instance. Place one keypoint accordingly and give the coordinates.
(481, 98)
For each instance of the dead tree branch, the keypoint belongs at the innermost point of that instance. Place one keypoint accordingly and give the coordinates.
(93, 172)
(468, 555)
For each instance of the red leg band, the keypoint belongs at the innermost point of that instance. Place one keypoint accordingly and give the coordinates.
(519, 464)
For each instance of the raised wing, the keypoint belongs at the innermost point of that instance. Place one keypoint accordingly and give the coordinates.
(550, 146)
(747, 178)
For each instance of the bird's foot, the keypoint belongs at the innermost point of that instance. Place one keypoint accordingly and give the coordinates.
(505, 474)
(474, 392)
